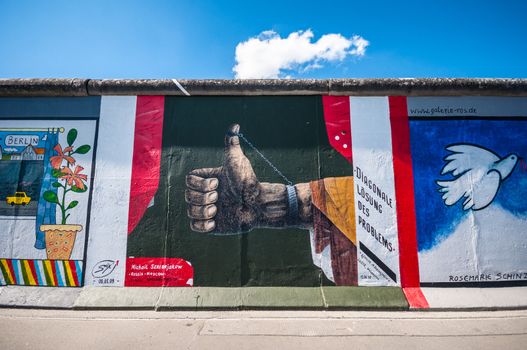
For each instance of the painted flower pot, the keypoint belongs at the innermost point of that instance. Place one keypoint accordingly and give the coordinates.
(60, 240)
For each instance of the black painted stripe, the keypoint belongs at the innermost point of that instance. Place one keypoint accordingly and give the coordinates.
(475, 284)
(378, 261)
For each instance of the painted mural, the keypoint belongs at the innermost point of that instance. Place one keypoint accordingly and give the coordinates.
(470, 207)
(263, 191)
(231, 200)
(45, 180)
(240, 208)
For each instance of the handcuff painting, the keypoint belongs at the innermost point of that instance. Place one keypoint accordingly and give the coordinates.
(231, 200)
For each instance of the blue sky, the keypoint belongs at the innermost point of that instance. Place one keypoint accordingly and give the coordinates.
(197, 39)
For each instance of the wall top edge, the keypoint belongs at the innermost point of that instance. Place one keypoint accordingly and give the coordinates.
(251, 87)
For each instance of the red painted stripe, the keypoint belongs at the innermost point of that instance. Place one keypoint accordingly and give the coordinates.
(73, 268)
(147, 155)
(338, 123)
(10, 266)
(33, 269)
(416, 298)
(404, 192)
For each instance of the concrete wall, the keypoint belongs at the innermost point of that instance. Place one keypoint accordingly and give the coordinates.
(402, 183)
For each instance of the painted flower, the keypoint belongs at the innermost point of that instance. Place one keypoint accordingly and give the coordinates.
(56, 161)
(75, 176)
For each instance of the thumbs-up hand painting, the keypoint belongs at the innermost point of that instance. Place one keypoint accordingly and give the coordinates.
(229, 199)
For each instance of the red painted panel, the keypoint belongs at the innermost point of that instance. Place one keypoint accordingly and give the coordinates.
(146, 157)
(338, 123)
(158, 272)
(416, 298)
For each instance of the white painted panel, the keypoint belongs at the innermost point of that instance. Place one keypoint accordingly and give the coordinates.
(464, 298)
(375, 210)
(111, 195)
(466, 106)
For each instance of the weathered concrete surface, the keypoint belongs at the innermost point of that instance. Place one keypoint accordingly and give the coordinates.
(365, 298)
(43, 87)
(117, 298)
(274, 297)
(59, 329)
(200, 298)
(44, 297)
(428, 87)
(207, 298)
(380, 298)
(254, 87)
(476, 298)
(209, 87)
(240, 298)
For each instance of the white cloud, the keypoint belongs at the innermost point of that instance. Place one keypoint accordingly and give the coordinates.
(268, 54)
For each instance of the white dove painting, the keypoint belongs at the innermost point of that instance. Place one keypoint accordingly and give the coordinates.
(470, 195)
(484, 238)
(478, 173)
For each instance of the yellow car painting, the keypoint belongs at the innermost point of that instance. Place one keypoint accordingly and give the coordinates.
(20, 198)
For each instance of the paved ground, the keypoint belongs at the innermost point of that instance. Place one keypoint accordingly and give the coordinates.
(68, 329)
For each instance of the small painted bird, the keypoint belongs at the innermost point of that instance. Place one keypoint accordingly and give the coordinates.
(478, 175)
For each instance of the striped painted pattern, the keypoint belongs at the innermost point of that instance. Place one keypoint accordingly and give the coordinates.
(53, 273)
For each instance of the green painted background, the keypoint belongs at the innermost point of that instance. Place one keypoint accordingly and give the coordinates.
(290, 131)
